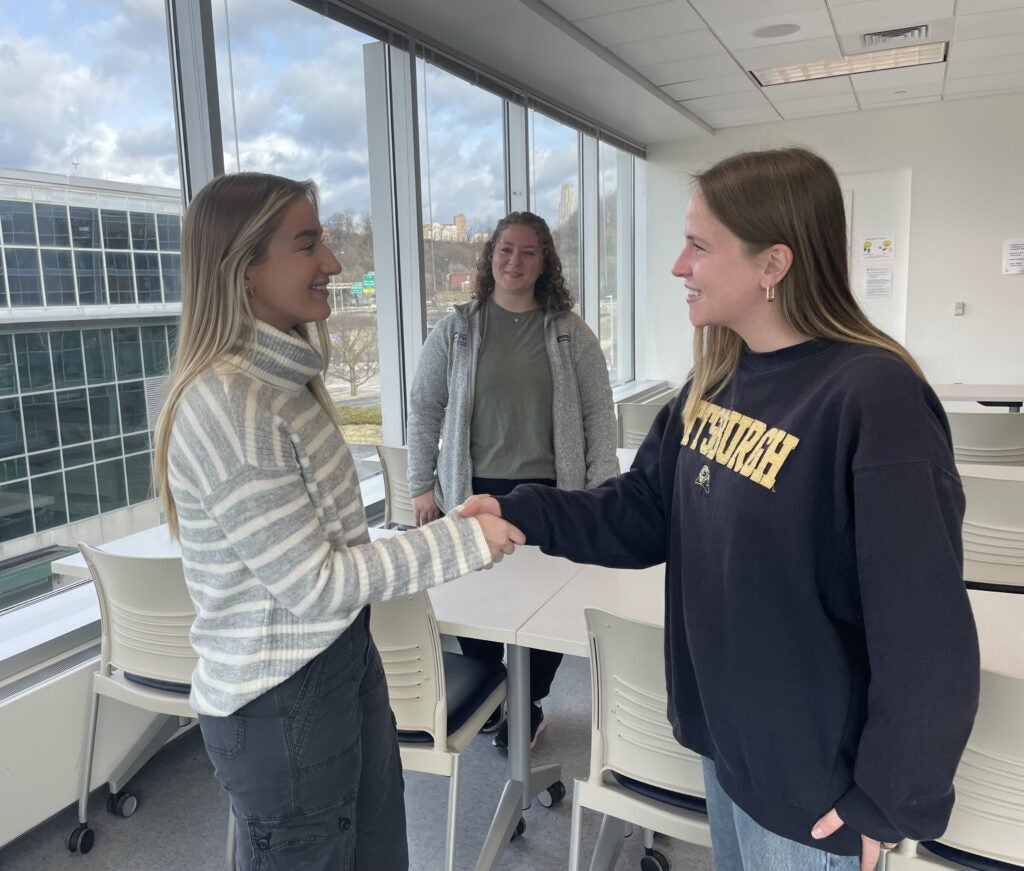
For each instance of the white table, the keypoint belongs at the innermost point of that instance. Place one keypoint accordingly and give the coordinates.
(1009, 395)
(988, 470)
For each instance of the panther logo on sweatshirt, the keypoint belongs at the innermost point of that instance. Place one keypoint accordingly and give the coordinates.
(704, 479)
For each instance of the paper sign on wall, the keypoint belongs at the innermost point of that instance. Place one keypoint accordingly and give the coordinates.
(1013, 257)
(878, 247)
(877, 281)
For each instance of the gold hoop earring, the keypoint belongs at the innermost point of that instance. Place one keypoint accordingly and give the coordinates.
(249, 291)
(769, 293)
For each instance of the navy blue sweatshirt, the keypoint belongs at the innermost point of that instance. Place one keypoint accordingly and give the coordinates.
(819, 642)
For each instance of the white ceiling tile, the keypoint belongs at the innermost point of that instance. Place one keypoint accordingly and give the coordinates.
(972, 7)
(575, 9)
(790, 53)
(834, 87)
(971, 95)
(739, 34)
(741, 100)
(905, 77)
(898, 93)
(710, 87)
(991, 46)
(978, 84)
(689, 70)
(905, 101)
(816, 107)
(986, 66)
(680, 46)
(660, 19)
(990, 24)
(726, 12)
(871, 15)
(738, 117)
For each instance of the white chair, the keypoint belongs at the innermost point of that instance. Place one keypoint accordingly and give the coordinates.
(635, 419)
(440, 700)
(639, 773)
(146, 661)
(986, 829)
(394, 463)
(993, 534)
(993, 439)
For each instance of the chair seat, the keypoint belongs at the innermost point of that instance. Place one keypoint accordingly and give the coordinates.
(468, 682)
(157, 684)
(647, 790)
(968, 860)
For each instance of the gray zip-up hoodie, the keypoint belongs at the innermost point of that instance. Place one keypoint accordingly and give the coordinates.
(441, 406)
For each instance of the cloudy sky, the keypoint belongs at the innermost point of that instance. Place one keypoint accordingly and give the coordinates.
(86, 92)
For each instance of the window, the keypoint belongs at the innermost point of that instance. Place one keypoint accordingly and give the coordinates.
(616, 261)
(462, 183)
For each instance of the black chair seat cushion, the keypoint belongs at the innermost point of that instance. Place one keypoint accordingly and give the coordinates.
(157, 684)
(468, 682)
(968, 860)
(666, 796)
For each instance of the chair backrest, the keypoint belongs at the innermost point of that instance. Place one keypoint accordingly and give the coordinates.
(994, 439)
(405, 632)
(630, 732)
(145, 615)
(394, 463)
(988, 816)
(635, 419)
(994, 531)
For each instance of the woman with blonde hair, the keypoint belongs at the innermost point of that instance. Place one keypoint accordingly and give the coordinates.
(260, 488)
(820, 649)
(515, 387)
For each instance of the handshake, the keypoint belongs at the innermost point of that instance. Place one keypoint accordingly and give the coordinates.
(502, 537)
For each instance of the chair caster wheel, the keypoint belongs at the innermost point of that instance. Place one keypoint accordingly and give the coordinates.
(653, 860)
(520, 828)
(552, 795)
(81, 839)
(122, 804)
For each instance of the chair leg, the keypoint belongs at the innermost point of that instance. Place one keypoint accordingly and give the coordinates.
(231, 859)
(90, 746)
(609, 844)
(574, 832)
(648, 839)
(453, 805)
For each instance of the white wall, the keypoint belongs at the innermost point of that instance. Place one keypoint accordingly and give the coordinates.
(966, 162)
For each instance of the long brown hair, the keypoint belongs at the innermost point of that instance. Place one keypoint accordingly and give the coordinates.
(226, 229)
(789, 196)
(551, 291)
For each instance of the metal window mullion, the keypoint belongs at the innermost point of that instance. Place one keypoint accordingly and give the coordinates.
(517, 156)
(624, 280)
(590, 235)
(190, 43)
(640, 300)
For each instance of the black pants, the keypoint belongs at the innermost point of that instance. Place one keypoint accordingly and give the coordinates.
(543, 663)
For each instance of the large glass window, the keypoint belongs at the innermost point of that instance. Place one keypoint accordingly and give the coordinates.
(462, 183)
(289, 118)
(616, 260)
(554, 189)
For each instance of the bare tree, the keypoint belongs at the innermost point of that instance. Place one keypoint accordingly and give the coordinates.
(354, 357)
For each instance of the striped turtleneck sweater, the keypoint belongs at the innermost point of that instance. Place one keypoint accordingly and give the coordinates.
(273, 532)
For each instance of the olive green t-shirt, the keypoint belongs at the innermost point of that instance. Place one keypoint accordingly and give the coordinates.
(512, 433)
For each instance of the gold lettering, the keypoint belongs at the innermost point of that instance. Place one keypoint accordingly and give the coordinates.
(773, 460)
(715, 432)
(699, 417)
(732, 432)
(754, 431)
(765, 443)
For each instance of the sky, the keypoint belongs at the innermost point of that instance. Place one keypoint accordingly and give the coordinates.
(86, 92)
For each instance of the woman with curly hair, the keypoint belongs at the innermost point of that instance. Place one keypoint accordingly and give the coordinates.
(515, 386)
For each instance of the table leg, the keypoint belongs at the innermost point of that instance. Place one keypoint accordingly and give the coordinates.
(523, 783)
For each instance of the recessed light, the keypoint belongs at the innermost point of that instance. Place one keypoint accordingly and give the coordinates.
(870, 61)
(774, 31)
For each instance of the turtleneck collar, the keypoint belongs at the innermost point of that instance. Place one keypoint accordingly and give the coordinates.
(284, 360)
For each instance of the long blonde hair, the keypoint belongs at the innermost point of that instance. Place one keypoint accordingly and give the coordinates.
(226, 229)
(789, 196)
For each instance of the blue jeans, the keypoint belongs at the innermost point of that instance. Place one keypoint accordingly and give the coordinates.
(312, 766)
(740, 844)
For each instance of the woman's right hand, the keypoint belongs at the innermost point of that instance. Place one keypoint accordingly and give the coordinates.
(502, 537)
(424, 508)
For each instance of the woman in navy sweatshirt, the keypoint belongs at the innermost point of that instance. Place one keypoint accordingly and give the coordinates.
(820, 649)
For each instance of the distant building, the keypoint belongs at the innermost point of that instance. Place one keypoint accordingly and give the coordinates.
(567, 203)
(454, 232)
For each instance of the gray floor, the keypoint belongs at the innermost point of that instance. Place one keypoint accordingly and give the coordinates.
(180, 822)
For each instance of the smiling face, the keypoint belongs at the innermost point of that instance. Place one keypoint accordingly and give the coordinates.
(516, 264)
(289, 285)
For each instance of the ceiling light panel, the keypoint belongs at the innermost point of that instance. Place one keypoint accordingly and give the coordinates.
(869, 61)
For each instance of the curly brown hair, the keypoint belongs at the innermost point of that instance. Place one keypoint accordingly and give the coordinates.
(551, 291)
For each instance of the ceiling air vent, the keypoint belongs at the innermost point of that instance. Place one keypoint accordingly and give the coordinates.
(893, 38)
